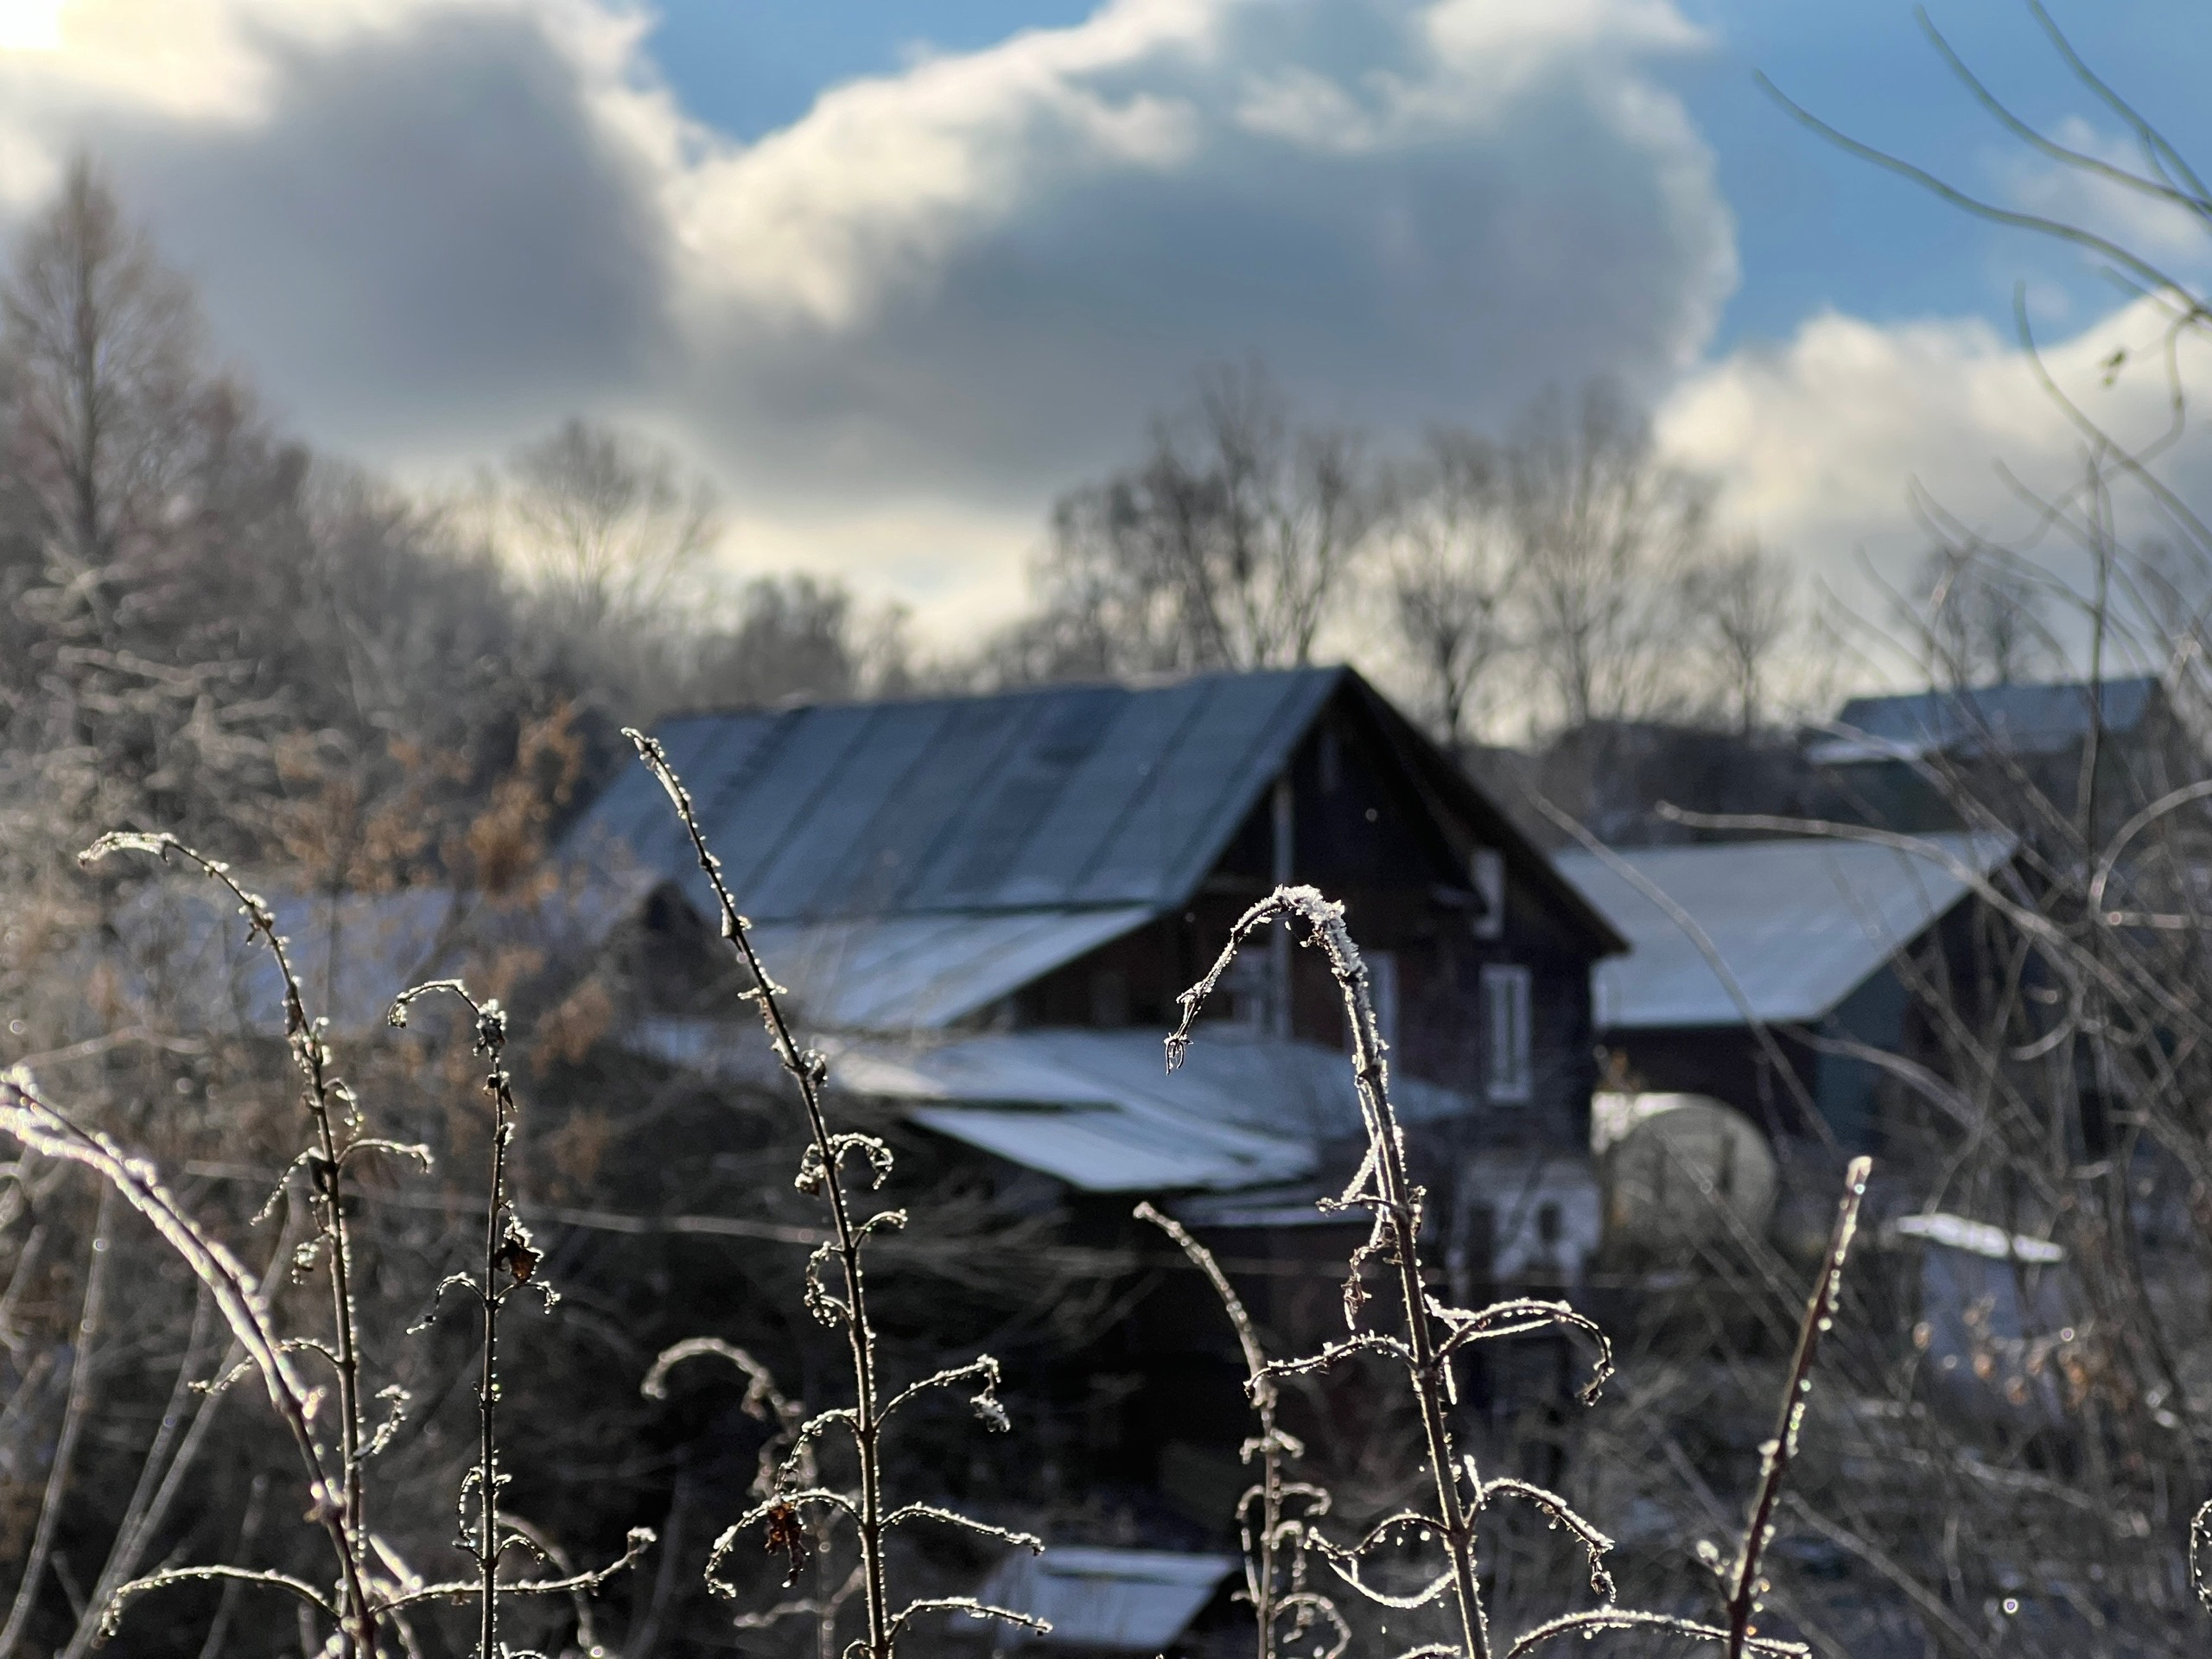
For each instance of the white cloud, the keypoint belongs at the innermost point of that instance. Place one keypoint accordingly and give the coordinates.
(2153, 227)
(1818, 441)
(429, 227)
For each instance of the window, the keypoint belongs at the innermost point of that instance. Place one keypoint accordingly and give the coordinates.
(1507, 1072)
(1383, 991)
(1486, 874)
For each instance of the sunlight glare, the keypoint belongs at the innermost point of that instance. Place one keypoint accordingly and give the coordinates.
(30, 25)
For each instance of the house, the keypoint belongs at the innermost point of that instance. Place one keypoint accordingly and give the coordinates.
(986, 906)
(984, 909)
(1747, 955)
(1898, 760)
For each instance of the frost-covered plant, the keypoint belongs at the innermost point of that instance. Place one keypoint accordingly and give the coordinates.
(1430, 1334)
(1276, 1515)
(836, 1292)
(371, 1589)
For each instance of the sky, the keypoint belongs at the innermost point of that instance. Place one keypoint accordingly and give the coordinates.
(897, 275)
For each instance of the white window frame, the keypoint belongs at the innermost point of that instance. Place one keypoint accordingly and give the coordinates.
(1486, 874)
(1509, 1033)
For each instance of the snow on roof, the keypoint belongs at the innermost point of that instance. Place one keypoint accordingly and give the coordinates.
(917, 973)
(1137, 1600)
(1099, 1110)
(1977, 1238)
(1800, 923)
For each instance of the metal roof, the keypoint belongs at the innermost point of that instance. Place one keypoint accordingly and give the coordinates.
(2013, 719)
(1800, 923)
(1137, 1600)
(911, 973)
(1099, 1110)
(1061, 798)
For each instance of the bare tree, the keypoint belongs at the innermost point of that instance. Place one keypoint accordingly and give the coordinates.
(609, 526)
(137, 501)
(1453, 573)
(1222, 549)
(1981, 617)
(103, 359)
(796, 636)
(1607, 530)
(1743, 604)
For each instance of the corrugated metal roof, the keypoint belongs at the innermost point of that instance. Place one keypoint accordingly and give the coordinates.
(1800, 923)
(1135, 1599)
(917, 973)
(1099, 1110)
(2013, 719)
(1111, 1149)
(1060, 797)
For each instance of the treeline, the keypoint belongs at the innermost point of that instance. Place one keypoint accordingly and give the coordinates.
(207, 625)
(1565, 575)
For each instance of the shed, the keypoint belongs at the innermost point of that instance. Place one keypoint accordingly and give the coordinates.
(1798, 935)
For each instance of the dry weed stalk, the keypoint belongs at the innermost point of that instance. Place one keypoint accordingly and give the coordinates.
(372, 1588)
(796, 1493)
(510, 1263)
(1432, 1334)
(1274, 1553)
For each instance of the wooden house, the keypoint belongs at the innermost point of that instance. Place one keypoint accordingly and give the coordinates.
(989, 906)
(985, 908)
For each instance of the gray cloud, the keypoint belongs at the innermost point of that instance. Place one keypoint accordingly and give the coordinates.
(970, 282)
(423, 243)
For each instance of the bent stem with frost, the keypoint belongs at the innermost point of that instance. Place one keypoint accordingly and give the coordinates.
(510, 1262)
(372, 1588)
(836, 1294)
(1430, 1333)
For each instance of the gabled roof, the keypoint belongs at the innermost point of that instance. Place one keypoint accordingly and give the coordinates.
(1800, 923)
(1073, 796)
(1969, 721)
(1068, 799)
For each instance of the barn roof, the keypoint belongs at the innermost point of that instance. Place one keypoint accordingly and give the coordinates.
(1800, 923)
(2040, 719)
(1069, 796)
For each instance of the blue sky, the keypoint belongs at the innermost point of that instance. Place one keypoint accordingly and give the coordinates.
(895, 275)
(1814, 228)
